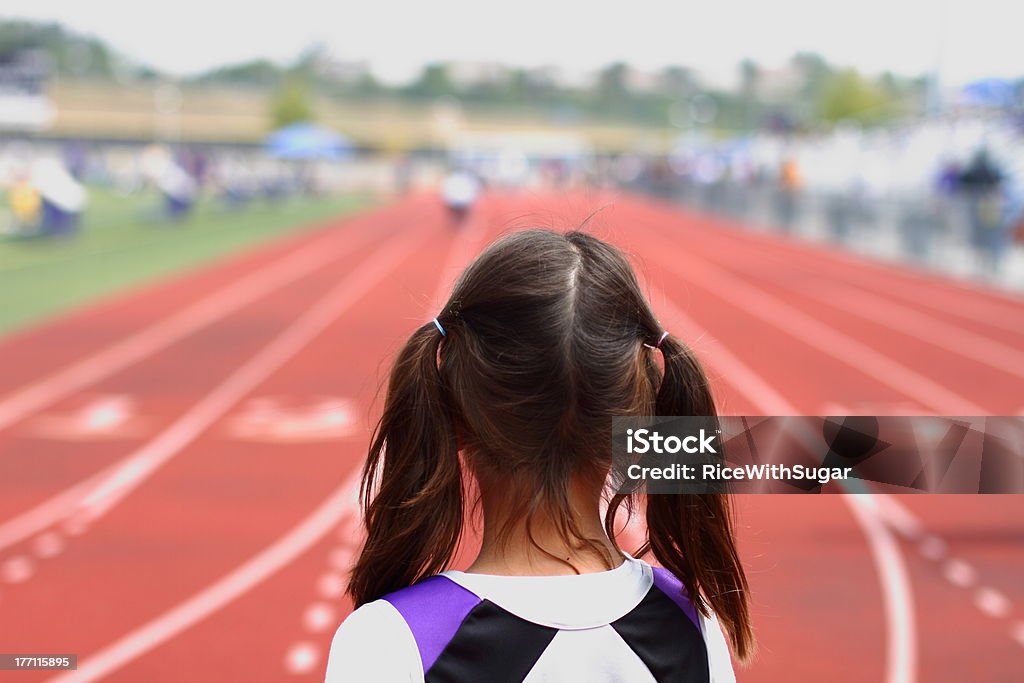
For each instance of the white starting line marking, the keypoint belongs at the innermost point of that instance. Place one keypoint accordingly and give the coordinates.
(331, 585)
(301, 658)
(17, 569)
(105, 489)
(179, 324)
(992, 602)
(103, 416)
(291, 420)
(932, 548)
(959, 573)
(318, 617)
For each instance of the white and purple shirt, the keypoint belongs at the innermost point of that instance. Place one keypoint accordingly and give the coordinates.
(631, 623)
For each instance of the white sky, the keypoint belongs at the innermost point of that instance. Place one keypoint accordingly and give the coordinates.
(983, 37)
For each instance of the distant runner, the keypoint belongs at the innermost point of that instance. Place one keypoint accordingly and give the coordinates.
(459, 192)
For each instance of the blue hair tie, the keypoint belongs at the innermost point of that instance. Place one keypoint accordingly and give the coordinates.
(440, 329)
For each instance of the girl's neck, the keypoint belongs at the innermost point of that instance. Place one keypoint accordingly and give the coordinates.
(514, 553)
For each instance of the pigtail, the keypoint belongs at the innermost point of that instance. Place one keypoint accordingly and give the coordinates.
(411, 492)
(692, 535)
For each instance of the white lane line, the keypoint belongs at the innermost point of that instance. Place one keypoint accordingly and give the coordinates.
(102, 491)
(330, 585)
(301, 658)
(992, 602)
(343, 503)
(897, 593)
(901, 663)
(933, 548)
(989, 601)
(737, 373)
(904, 319)
(959, 573)
(176, 326)
(17, 569)
(319, 617)
(953, 296)
(820, 336)
(309, 531)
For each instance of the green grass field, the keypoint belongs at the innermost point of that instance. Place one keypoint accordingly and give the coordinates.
(123, 244)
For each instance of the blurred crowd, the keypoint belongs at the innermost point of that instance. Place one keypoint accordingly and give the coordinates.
(47, 184)
(943, 192)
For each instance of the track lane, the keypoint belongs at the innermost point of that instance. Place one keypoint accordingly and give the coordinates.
(39, 468)
(947, 652)
(263, 652)
(71, 583)
(968, 363)
(783, 541)
(112, 335)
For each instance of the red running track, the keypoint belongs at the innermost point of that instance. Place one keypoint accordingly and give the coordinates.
(176, 464)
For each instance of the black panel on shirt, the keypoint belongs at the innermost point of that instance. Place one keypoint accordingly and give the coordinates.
(491, 645)
(665, 639)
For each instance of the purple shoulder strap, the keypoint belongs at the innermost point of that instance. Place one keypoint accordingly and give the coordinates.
(434, 609)
(668, 584)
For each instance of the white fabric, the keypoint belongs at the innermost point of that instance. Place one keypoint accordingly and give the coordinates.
(564, 602)
(570, 657)
(374, 643)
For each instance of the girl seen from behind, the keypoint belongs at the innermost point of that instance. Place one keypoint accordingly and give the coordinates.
(504, 405)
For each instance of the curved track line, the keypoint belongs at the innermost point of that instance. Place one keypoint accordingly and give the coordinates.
(103, 490)
(901, 665)
(160, 335)
(901, 634)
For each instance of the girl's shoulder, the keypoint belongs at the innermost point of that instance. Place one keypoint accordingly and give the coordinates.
(374, 643)
(398, 636)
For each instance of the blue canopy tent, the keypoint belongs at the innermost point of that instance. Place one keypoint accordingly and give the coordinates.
(308, 141)
(992, 92)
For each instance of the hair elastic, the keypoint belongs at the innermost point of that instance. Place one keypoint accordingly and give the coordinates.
(440, 329)
(660, 339)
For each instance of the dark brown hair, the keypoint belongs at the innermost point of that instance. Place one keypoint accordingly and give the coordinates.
(544, 344)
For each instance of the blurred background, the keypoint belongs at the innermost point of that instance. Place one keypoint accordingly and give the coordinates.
(217, 226)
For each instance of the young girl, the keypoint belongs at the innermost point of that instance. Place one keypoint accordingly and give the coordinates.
(545, 338)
